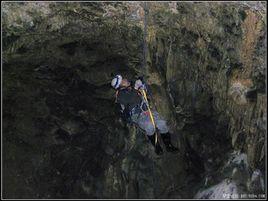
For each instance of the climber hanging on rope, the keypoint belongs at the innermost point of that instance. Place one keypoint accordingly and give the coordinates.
(132, 104)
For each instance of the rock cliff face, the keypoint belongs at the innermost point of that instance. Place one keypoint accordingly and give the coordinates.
(211, 59)
(205, 66)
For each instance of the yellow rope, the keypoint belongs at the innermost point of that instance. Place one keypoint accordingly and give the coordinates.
(150, 113)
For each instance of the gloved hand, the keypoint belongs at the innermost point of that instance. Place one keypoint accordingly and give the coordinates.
(139, 85)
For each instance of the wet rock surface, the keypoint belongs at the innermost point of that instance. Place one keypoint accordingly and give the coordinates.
(206, 71)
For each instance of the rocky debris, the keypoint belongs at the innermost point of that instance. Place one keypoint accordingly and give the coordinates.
(224, 190)
(238, 181)
(256, 182)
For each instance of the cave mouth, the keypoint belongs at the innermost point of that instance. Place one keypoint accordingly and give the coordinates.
(63, 85)
(59, 112)
(71, 104)
(77, 119)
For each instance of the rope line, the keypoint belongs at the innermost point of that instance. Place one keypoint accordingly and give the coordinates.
(145, 8)
(144, 64)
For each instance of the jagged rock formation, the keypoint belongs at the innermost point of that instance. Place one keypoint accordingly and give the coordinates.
(211, 57)
(206, 70)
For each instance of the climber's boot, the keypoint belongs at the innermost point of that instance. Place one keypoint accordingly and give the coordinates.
(167, 142)
(157, 148)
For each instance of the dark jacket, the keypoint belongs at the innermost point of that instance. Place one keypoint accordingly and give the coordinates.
(129, 101)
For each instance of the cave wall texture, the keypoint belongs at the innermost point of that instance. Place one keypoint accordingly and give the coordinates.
(206, 68)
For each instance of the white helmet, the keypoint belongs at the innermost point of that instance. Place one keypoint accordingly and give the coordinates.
(116, 81)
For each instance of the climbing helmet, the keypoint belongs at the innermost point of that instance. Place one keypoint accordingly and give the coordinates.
(116, 81)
